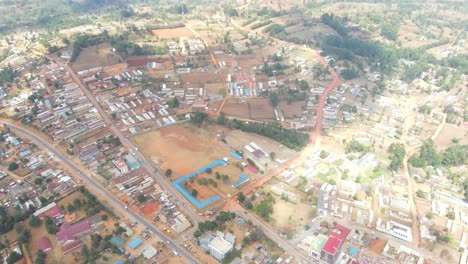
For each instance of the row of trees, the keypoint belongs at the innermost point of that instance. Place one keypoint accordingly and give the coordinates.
(429, 156)
(292, 139)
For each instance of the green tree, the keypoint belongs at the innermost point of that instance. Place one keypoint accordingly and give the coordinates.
(168, 173)
(194, 192)
(199, 118)
(173, 103)
(241, 197)
(141, 198)
(13, 166)
(274, 99)
(34, 221)
(104, 217)
(397, 153)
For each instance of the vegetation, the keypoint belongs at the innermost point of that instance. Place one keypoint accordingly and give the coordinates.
(216, 224)
(428, 156)
(199, 117)
(355, 146)
(397, 153)
(265, 208)
(168, 173)
(50, 226)
(173, 103)
(141, 198)
(292, 139)
(34, 221)
(13, 166)
(8, 219)
(7, 75)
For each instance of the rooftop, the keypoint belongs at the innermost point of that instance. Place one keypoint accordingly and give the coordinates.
(221, 245)
(337, 237)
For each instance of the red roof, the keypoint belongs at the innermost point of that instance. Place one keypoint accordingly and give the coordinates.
(72, 246)
(258, 153)
(337, 237)
(252, 168)
(51, 213)
(70, 232)
(44, 244)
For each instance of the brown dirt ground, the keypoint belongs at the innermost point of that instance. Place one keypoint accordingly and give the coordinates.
(173, 32)
(235, 109)
(377, 245)
(150, 208)
(196, 147)
(95, 56)
(449, 132)
(261, 108)
(291, 110)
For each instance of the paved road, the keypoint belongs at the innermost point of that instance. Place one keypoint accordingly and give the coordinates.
(273, 235)
(102, 192)
(159, 176)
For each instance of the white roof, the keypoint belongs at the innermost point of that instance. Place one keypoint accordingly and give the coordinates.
(149, 252)
(221, 245)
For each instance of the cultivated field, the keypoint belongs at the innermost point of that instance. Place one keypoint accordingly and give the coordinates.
(255, 108)
(95, 56)
(291, 110)
(450, 132)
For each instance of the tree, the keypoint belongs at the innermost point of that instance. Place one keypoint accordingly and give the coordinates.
(34, 221)
(168, 173)
(272, 156)
(397, 154)
(173, 103)
(421, 194)
(194, 192)
(199, 118)
(40, 257)
(248, 204)
(104, 217)
(197, 233)
(23, 236)
(13, 257)
(274, 99)
(324, 224)
(141, 198)
(13, 166)
(50, 226)
(241, 197)
(209, 170)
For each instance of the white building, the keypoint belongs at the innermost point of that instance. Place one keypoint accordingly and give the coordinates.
(221, 245)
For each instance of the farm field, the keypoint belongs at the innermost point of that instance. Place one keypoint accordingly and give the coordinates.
(95, 56)
(450, 132)
(291, 110)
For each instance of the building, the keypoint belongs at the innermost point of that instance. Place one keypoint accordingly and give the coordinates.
(70, 233)
(121, 166)
(51, 210)
(395, 229)
(44, 244)
(332, 248)
(222, 244)
(313, 245)
(149, 252)
(323, 200)
(131, 162)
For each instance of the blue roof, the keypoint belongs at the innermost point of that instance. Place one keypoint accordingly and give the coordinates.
(178, 184)
(236, 155)
(135, 243)
(117, 241)
(243, 178)
(119, 262)
(353, 251)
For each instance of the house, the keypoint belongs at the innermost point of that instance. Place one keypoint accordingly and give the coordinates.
(44, 244)
(51, 210)
(121, 166)
(332, 248)
(70, 233)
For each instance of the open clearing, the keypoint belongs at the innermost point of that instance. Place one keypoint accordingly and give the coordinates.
(95, 56)
(173, 32)
(450, 132)
(257, 108)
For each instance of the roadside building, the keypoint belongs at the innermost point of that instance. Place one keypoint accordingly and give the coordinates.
(323, 200)
(121, 166)
(51, 210)
(332, 248)
(131, 162)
